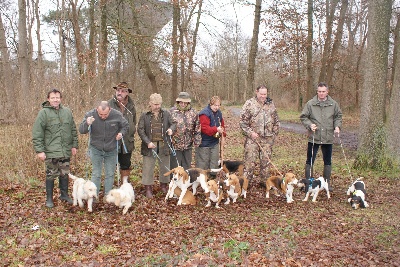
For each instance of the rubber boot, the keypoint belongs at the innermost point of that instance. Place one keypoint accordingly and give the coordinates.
(327, 175)
(164, 187)
(308, 171)
(49, 193)
(149, 191)
(125, 175)
(63, 183)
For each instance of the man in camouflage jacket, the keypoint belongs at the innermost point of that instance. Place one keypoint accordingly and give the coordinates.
(260, 124)
(188, 132)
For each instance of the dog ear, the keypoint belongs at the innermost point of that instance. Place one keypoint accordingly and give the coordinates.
(168, 173)
(117, 198)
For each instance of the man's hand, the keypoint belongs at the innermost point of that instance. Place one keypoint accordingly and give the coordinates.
(337, 131)
(119, 136)
(73, 151)
(313, 127)
(169, 132)
(90, 120)
(41, 156)
(254, 135)
(151, 145)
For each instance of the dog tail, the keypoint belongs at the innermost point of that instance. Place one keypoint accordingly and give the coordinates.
(72, 176)
(360, 178)
(214, 170)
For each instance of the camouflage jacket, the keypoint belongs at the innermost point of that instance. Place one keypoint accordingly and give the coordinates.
(261, 118)
(188, 131)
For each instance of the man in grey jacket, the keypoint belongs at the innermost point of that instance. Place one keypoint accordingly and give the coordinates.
(322, 118)
(106, 126)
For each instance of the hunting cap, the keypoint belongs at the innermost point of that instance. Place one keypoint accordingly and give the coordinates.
(123, 85)
(155, 99)
(183, 97)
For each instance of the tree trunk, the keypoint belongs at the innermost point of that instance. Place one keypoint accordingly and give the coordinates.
(175, 49)
(336, 44)
(62, 39)
(7, 99)
(103, 45)
(40, 69)
(23, 58)
(92, 43)
(253, 51)
(309, 51)
(371, 147)
(396, 50)
(330, 16)
(78, 38)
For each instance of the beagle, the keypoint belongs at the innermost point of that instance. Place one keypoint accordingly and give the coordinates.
(285, 184)
(232, 166)
(188, 198)
(314, 186)
(237, 186)
(184, 179)
(215, 194)
(357, 194)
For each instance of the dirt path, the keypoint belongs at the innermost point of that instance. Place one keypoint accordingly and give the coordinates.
(349, 139)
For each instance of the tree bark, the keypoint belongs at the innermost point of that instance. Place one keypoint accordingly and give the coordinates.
(78, 38)
(40, 69)
(23, 58)
(371, 146)
(396, 44)
(309, 51)
(103, 45)
(175, 49)
(251, 66)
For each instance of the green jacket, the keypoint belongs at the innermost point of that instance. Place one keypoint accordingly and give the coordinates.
(130, 116)
(326, 115)
(54, 132)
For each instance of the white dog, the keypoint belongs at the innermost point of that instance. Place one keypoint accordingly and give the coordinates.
(83, 190)
(313, 187)
(122, 197)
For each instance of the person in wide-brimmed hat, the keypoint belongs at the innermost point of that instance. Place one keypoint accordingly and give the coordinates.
(124, 103)
(188, 133)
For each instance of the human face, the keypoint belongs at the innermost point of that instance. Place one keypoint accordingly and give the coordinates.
(155, 108)
(121, 93)
(262, 94)
(103, 114)
(182, 104)
(215, 107)
(54, 100)
(322, 93)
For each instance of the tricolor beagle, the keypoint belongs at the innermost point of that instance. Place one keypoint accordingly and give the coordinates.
(313, 187)
(285, 184)
(237, 186)
(215, 194)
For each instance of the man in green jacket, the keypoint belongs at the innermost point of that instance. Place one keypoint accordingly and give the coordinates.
(322, 118)
(124, 104)
(55, 138)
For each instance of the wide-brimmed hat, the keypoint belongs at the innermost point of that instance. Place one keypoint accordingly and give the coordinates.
(123, 85)
(156, 99)
(183, 97)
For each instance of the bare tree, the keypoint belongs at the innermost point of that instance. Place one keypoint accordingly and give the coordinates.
(23, 53)
(371, 147)
(310, 72)
(175, 48)
(253, 51)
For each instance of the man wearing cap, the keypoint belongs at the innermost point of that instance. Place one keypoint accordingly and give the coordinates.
(124, 104)
(188, 132)
(154, 127)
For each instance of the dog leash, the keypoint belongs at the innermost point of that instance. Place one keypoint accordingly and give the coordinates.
(312, 154)
(88, 152)
(265, 153)
(345, 159)
(156, 156)
(173, 151)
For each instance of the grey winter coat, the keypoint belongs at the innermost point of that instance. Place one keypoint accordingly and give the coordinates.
(326, 115)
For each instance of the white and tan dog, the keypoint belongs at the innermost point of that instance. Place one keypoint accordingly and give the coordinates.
(184, 179)
(237, 186)
(285, 184)
(122, 197)
(215, 194)
(313, 187)
(188, 198)
(83, 190)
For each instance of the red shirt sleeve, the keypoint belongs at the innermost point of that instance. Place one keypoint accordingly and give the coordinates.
(205, 126)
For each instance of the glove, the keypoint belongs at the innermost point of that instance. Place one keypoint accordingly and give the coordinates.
(90, 120)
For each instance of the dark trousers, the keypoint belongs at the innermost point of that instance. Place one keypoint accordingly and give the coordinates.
(124, 160)
(312, 151)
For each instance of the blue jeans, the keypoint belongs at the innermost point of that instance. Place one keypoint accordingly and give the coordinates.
(109, 159)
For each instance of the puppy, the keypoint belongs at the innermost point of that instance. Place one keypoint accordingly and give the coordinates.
(215, 194)
(358, 194)
(184, 179)
(236, 187)
(188, 198)
(122, 197)
(285, 184)
(232, 166)
(83, 190)
(313, 187)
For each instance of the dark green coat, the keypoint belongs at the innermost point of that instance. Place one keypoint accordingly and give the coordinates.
(326, 115)
(54, 132)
